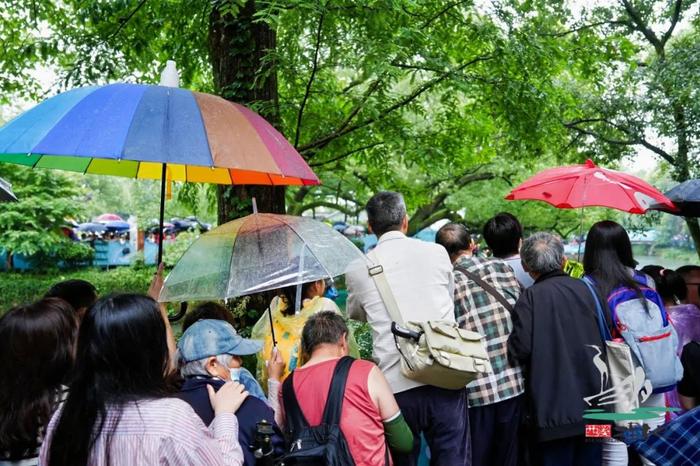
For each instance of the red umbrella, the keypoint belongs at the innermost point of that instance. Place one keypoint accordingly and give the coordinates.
(109, 218)
(588, 185)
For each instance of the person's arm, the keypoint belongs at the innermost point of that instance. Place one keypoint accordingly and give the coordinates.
(398, 435)
(687, 402)
(329, 305)
(451, 284)
(520, 339)
(688, 388)
(275, 369)
(353, 305)
(462, 305)
(194, 443)
(154, 292)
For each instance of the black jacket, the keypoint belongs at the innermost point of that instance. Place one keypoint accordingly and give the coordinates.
(554, 322)
(194, 392)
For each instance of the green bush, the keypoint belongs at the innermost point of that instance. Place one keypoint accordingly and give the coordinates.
(70, 253)
(17, 288)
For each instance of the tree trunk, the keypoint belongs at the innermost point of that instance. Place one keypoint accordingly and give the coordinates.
(237, 48)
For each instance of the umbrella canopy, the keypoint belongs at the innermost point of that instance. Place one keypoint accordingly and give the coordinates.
(116, 225)
(257, 253)
(159, 132)
(588, 185)
(685, 197)
(92, 227)
(132, 129)
(6, 194)
(108, 218)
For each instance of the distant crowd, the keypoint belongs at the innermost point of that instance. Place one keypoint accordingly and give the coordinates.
(102, 380)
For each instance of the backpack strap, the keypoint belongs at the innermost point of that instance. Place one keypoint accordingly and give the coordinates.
(336, 392)
(487, 287)
(296, 421)
(602, 326)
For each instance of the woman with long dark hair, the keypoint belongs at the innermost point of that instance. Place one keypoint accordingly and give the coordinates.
(609, 263)
(37, 343)
(608, 257)
(119, 410)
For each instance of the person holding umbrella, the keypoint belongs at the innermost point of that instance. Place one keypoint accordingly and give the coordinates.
(288, 318)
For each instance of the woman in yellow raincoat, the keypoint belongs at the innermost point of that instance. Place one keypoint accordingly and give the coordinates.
(288, 325)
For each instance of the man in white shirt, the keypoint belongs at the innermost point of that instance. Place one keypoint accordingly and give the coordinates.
(504, 236)
(420, 277)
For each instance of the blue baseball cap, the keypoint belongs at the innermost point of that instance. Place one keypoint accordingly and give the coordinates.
(211, 337)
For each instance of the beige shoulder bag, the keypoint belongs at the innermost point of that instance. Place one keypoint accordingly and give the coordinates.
(435, 352)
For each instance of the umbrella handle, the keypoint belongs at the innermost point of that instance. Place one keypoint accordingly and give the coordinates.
(272, 326)
(180, 314)
(161, 213)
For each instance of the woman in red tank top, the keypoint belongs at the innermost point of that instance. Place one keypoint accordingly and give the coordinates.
(370, 414)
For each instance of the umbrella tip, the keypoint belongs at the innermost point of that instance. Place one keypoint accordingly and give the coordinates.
(590, 164)
(170, 77)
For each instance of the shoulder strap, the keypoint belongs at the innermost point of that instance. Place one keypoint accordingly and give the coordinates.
(336, 392)
(488, 288)
(377, 273)
(296, 421)
(602, 326)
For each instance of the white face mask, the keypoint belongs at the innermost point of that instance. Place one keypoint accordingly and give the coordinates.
(235, 373)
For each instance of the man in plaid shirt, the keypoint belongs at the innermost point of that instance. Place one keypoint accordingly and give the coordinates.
(494, 399)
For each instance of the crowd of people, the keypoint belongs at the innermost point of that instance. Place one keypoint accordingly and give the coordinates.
(101, 380)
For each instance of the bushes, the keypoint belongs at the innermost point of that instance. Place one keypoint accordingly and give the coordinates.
(17, 288)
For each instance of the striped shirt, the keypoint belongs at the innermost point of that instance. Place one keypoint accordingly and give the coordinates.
(479, 311)
(162, 431)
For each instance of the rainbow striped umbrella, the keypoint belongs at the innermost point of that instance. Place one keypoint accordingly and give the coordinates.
(156, 132)
(132, 129)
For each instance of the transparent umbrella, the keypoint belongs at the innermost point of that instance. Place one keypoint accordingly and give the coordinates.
(257, 253)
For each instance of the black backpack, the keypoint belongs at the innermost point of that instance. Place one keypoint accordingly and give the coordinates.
(325, 444)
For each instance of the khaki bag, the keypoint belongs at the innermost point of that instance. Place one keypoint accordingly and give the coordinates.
(443, 355)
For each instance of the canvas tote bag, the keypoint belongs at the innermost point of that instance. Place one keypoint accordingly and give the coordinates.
(442, 355)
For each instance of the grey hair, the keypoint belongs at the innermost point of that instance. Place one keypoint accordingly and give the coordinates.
(385, 212)
(199, 367)
(542, 252)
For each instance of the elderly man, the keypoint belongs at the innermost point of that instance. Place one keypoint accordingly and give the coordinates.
(555, 337)
(210, 354)
(485, 292)
(419, 275)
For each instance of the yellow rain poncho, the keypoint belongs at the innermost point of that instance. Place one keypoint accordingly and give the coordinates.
(288, 333)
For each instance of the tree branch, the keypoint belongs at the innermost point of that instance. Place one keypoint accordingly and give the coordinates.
(314, 69)
(634, 139)
(345, 128)
(675, 16)
(641, 26)
(347, 154)
(588, 26)
(365, 97)
(408, 66)
(125, 19)
(331, 205)
(449, 6)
